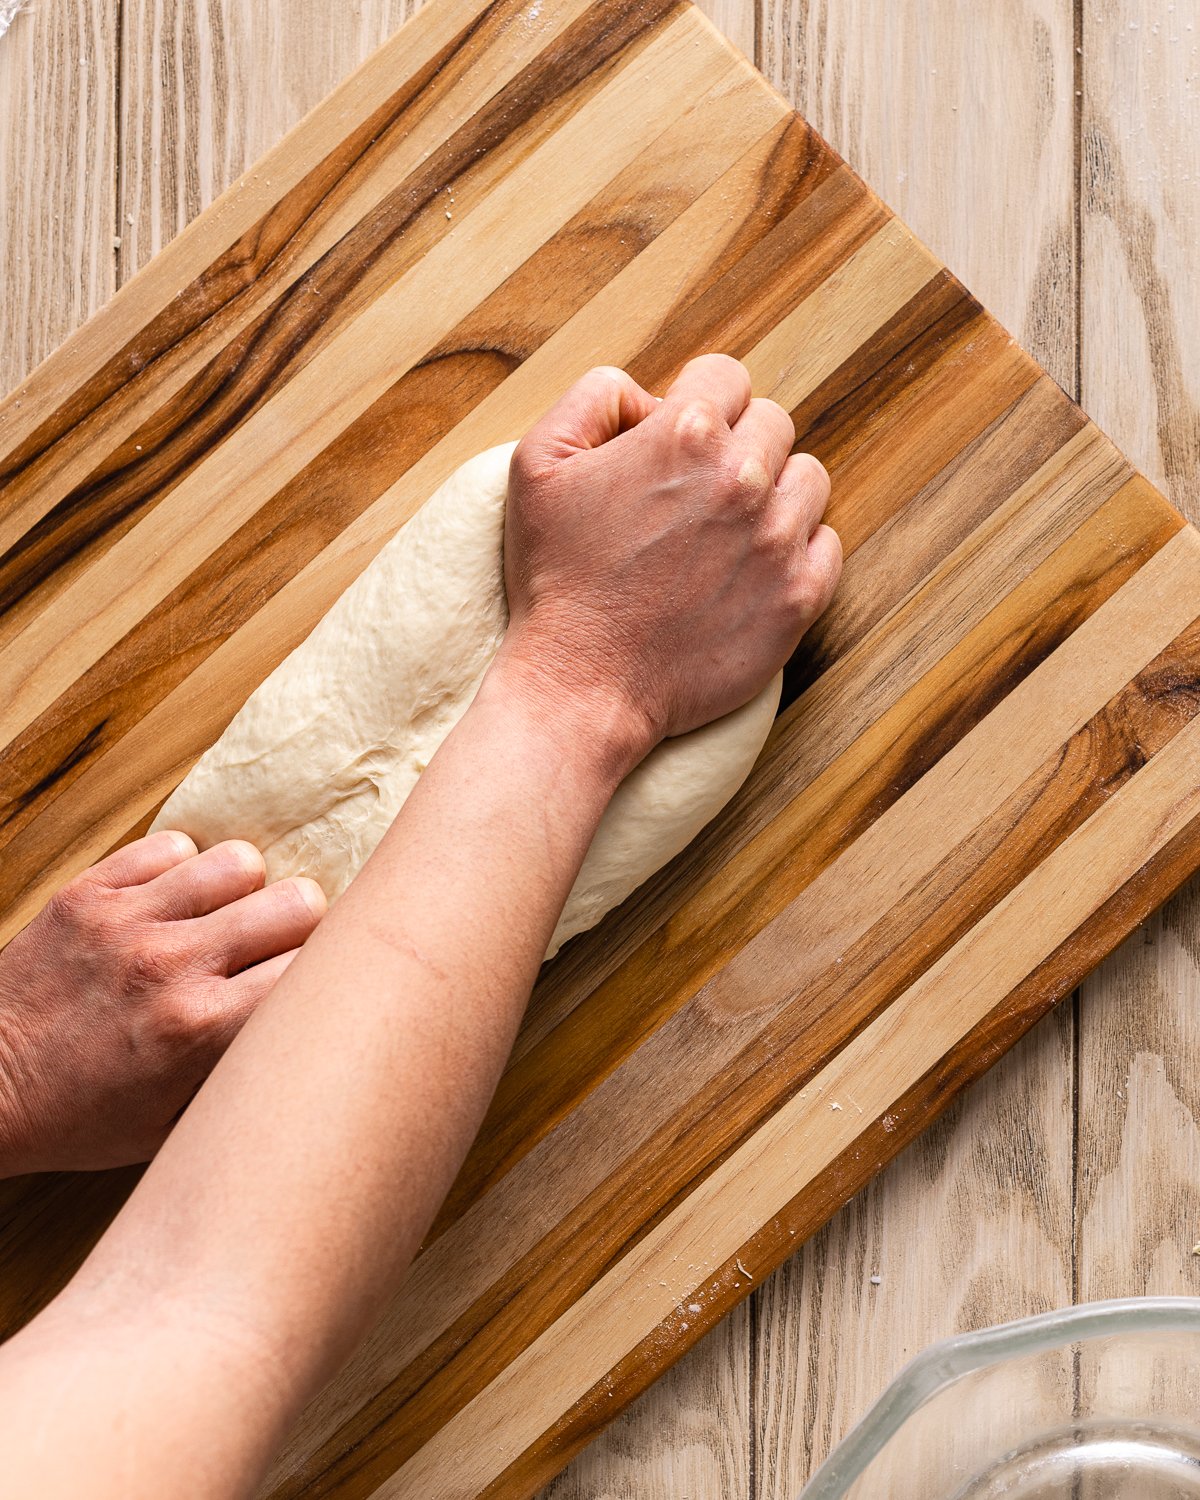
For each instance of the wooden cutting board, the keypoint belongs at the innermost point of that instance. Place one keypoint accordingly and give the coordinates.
(988, 773)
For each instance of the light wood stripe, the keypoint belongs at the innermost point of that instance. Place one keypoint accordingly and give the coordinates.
(991, 560)
(195, 713)
(895, 558)
(949, 508)
(665, 271)
(764, 873)
(652, 1284)
(341, 381)
(904, 844)
(805, 348)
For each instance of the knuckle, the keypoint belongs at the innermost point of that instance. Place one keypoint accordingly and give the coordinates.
(282, 902)
(529, 461)
(722, 365)
(147, 967)
(781, 415)
(749, 481)
(311, 898)
(195, 1015)
(774, 541)
(609, 374)
(239, 858)
(82, 905)
(695, 422)
(826, 560)
(804, 593)
(144, 969)
(518, 464)
(298, 903)
(68, 904)
(811, 590)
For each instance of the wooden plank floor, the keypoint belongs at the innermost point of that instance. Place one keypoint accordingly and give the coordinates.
(1067, 195)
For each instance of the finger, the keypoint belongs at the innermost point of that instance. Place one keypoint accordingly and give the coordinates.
(144, 859)
(260, 926)
(822, 568)
(599, 406)
(765, 432)
(226, 872)
(715, 378)
(244, 993)
(226, 1007)
(804, 485)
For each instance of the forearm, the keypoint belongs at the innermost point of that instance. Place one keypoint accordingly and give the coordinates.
(284, 1207)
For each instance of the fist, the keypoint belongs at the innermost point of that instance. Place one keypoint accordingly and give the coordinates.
(669, 554)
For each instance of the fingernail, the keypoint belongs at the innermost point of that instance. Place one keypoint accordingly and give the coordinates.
(314, 896)
(248, 856)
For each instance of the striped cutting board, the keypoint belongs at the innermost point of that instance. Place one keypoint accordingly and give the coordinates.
(988, 771)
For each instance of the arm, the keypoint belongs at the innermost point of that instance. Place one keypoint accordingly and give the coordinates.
(661, 565)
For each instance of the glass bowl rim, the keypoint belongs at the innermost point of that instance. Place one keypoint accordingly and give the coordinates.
(948, 1360)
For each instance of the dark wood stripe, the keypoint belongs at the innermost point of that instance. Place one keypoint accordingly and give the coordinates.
(256, 263)
(925, 530)
(778, 272)
(888, 415)
(655, 1042)
(882, 424)
(588, 962)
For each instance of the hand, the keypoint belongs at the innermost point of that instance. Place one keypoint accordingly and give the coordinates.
(116, 1001)
(666, 556)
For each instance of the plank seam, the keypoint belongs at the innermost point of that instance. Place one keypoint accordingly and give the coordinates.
(118, 139)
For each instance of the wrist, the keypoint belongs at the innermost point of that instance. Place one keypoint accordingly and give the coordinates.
(584, 721)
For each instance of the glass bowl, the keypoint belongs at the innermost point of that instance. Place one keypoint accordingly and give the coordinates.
(1094, 1402)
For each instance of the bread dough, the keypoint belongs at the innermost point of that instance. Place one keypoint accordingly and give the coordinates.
(320, 759)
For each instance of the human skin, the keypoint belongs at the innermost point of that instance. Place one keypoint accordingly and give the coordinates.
(662, 562)
(116, 1001)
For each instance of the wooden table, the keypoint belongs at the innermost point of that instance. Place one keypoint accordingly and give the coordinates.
(1046, 151)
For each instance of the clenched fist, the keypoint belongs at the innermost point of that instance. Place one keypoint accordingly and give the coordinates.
(665, 556)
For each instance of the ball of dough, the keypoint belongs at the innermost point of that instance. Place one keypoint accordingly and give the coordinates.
(320, 758)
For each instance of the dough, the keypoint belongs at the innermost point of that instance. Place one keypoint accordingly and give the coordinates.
(320, 759)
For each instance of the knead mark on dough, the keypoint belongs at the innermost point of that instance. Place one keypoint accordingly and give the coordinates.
(320, 759)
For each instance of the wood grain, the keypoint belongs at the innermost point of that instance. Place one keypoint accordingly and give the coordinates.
(58, 169)
(972, 1224)
(896, 87)
(986, 773)
(1139, 1099)
(207, 88)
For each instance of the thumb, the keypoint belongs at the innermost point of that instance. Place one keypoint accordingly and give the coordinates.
(599, 406)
